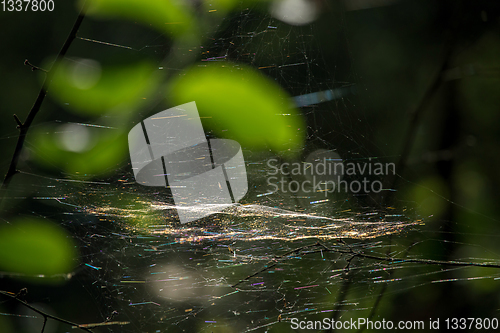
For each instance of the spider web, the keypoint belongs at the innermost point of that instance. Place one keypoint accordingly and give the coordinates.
(258, 264)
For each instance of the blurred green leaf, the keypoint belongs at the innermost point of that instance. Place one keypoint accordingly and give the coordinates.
(35, 247)
(103, 152)
(238, 102)
(86, 88)
(228, 5)
(171, 17)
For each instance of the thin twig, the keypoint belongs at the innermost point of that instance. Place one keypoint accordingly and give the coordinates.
(24, 127)
(342, 296)
(44, 323)
(276, 261)
(391, 181)
(18, 121)
(383, 289)
(410, 260)
(33, 67)
(105, 323)
(44, 314)
(356, 254)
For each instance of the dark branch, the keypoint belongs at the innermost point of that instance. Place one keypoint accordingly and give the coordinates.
(276, 261)
(417, 113)
(18, 121)
(409, 260)
(24, 127)
(356, 254)
(44, 323)
(44, 314)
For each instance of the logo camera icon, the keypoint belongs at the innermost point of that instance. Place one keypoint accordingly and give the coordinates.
(170, 149)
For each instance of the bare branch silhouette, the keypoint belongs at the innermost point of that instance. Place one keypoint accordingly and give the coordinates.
(351, 253)
(24, 127)
(44, 314)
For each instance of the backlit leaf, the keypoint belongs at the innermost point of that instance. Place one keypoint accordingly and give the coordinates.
(239, 103)
(34, 247)
(104, 151)
(167, 16)
(86, 88)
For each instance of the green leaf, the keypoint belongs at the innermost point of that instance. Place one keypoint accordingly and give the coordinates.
(103, 153)
(238, 102)
(171, 17)
(227, 5)
(87, 89)
(35, 248)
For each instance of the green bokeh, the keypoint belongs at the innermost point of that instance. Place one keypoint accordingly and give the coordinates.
(171, 17)
(104, 155)
(36, 248)
(82, 86)
(239, 103)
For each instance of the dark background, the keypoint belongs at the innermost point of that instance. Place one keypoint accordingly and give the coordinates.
(447, 175)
